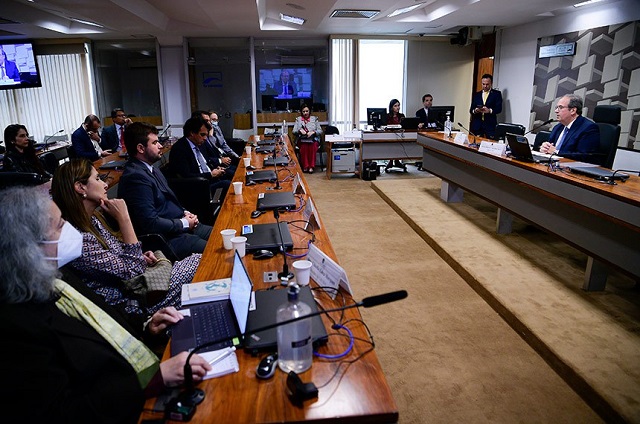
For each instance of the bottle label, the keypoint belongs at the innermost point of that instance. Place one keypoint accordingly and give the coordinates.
(301, 343)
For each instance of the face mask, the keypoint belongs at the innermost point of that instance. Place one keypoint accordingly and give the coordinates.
(215, 123)
(69, 245)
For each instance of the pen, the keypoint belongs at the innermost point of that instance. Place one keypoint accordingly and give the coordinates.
(223, 355)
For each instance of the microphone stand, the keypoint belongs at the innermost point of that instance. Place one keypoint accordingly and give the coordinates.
(45, 148)
(474, 144)
(285, 275)
(275, 166)
(539, 126)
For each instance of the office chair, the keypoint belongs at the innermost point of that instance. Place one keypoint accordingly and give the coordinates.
(608, 117)
(541, 137)
(13, 179)
(71, 152)
(503, 128)
(49, 162)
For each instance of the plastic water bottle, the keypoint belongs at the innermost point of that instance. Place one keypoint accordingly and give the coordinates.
(447, 126)
(295, 347)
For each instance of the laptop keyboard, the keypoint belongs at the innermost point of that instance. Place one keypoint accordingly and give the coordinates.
(213, 322)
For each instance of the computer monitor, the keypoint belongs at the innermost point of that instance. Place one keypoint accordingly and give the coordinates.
(376, 116)
(440, 114)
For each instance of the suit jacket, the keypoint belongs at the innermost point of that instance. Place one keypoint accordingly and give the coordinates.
(488, 125)
(426, 120)
(64, 365)
(581, 142)
(153, 206)
(12, 70)
(110, 139)
(183, 162)
(83, 145)
(222, 143)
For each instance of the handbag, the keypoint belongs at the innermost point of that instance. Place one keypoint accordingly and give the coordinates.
(156, 277)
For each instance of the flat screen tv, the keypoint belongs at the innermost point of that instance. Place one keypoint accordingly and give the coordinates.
(286, 83)
(18, 66)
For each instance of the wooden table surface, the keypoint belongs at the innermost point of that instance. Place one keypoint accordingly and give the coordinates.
(356, 392)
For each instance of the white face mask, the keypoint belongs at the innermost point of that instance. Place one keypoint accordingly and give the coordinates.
(69, 245)
(215, 123)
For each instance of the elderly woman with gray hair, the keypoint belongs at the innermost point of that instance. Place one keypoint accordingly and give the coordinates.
(66, 360)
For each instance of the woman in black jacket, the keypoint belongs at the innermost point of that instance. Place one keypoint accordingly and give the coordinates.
(21, 155)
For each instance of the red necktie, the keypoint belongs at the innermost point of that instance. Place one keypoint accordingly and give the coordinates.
(122, 139)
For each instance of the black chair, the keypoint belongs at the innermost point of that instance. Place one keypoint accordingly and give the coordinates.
(71, 152)
(608, 119)
(541, 137)
(49, 162)
(502, 129)
(13, 179)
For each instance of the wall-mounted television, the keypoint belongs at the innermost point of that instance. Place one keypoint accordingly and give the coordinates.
(286, 83)
(18, 66)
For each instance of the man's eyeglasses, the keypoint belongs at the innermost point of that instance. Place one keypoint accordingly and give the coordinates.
(560, 107)
(121, 116)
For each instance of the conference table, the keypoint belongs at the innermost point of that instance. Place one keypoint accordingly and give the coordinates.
(600, 219)
(351, 389)
(389, 144)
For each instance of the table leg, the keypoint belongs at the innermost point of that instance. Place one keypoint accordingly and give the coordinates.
(504, 222)
(451, 193)
(595, 276)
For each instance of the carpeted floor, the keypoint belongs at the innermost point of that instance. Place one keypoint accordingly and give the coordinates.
(448, 356)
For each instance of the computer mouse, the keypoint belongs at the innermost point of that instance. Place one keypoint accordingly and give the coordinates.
(263, 254)
(267, 366)
(256, 214)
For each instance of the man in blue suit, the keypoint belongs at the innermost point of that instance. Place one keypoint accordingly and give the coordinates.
(85, 141)
(576, 137)
(113, 135)
(153, 206)
(485, 106)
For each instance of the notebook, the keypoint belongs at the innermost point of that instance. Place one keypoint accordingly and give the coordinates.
(267, 148)
(221, 320)
(276, 200)
(114, 164)
(267, 303)
(260, 177)
(410, 123)
(266, 236)
(521, 150)
(281, 160)
(599, 173)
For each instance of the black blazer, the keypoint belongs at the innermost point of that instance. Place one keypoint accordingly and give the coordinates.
(183, 162)
(109, 138)
(426, 120)
(494, 102)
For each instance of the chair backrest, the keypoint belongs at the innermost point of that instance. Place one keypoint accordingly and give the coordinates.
(12, 179)
(541, 137)
(71, 152)
(607, 114)
(242, 134)
(503, 128)
(609, 136)
(331, 130)
(49, 162)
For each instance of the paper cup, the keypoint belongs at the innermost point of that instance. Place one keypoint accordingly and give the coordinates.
(237, 187)
(247, 162)
(239, 244)
(247, 150)
(302, 271)
(256, 137)
(227, 235)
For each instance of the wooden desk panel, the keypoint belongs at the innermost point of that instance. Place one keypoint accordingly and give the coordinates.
(359, 392)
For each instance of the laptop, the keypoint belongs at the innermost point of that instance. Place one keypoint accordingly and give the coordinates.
(224, 320)
(266, 148)
(521, 150)
(600, 174)
(266, 141)
(276, 200)
(114, 164)
(267, 236)
(267, 303)
(280, 160)
(410, 123)
(253, 177)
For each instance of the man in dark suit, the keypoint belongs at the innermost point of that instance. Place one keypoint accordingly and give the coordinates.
(485, 106)
(285, 87)
(113, 135)
(576, 137)
(153, 206)
(86, 140)
(427, 120)
(188, 160)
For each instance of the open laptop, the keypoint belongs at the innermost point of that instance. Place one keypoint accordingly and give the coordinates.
(521, 150)
(114, 164)
(267, 303)
(410, 123)
(600, 174)
(260, 177)
(276, 200)
(220, 320)
(267, 236)
(280, 160)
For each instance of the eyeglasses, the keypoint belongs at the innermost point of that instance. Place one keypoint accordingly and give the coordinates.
(120, 116)
(560, 107)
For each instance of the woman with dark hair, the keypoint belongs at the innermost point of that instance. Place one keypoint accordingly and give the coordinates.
(79, 363)
(108, 257)
(21, 155)
(394, 117)
(308, 130)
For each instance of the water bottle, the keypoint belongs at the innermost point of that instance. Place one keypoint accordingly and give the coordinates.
(295, 348)
(447, 126)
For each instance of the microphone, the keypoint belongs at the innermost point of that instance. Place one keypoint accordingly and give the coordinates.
(275, 166)
(48, 138)
(612, 179)
(547, 122)
(474, 144)
(164, 130)
(285, 275)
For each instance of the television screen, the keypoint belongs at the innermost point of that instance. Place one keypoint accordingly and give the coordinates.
(18, 66)
(286, 83)
(376, 116)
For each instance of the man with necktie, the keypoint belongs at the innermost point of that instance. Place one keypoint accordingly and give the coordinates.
(153, 206)
(486, 104)
(286, 88)
(113, 135)
(576, 137)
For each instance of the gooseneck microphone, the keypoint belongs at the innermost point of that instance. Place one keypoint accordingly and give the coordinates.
(285, 275)
(164, 130)
(547, 122)
(275, 167)
(49, 138)
(474, 144)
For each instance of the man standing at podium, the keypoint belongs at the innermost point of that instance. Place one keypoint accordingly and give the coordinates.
(485, 106)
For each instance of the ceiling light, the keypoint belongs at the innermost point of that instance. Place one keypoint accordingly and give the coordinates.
(585, 3)
(292, 19)
(82, 21)
(354, 13)
(404, 10)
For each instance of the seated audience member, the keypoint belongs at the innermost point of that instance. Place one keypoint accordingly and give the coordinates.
(213, 154)
(21, 155)
(109, 257)
(79, 363)
(394, 117)
(219, 140)
(308, 130)
(427, 119)
(113, 135)
(154, 207)
(188, 161)
(86, 140)
(576, 137)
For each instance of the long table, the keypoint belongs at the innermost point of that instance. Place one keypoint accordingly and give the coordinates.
(601, 220)
(347, 393)
(389, 144)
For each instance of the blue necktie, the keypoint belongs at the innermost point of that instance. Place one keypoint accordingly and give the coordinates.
(563, 135)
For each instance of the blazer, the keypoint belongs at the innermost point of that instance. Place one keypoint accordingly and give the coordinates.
(83, 145)
(581, 142)
(110, 140)
(431, 119)
(183, 162)
(15, 161)
(494, 102)
(153, 206)
(12, 70)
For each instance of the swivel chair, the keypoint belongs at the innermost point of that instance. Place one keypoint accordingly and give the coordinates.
(49, 162)
(13, 179)
(503, 128)
(541, 137)
(608, 117)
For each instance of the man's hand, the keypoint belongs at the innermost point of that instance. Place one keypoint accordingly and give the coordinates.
(106, 153)
(226, 161)
(217, 173)
(547, 148)
(191, 219)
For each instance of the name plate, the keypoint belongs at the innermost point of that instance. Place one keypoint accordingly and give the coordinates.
(495, 149)
(461, 139)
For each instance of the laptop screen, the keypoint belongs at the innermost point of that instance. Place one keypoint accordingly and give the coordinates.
(240, 294)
